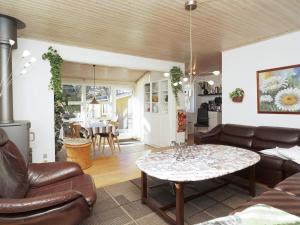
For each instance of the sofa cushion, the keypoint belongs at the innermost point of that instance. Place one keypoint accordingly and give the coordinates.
(271, 162)
(237, 135)
(290, 167)
(271, 137)
(13, 172)
(290, 185)
(211, 137)
(82, 183)
(269, 170)
(277, 199)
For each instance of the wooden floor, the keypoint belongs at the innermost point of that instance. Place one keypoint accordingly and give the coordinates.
(110, 169)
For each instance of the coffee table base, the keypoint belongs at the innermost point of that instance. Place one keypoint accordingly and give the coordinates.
(180, 199)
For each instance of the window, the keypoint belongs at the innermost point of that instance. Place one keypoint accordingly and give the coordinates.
(101, 93)
(79, 97)
(72, 94)
(103, 109)
(123, 92)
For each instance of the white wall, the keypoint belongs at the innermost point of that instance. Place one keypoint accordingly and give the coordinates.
(239, 70)
(32, 99)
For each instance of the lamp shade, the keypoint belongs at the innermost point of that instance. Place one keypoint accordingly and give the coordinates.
(94, 101)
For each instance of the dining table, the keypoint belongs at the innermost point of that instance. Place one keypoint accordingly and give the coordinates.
(103, 129)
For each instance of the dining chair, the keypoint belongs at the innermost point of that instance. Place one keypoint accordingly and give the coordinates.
(67, 131)
(114, 134)
(92, 136)
(105, 134)
(75, 130)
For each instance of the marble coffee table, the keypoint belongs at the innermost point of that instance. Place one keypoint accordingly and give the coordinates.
(204, 162)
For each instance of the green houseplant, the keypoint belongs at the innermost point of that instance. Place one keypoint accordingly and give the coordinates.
(176, 75)
(56, 62)
(237, 95)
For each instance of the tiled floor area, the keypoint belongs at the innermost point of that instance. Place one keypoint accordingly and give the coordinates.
(120, 204)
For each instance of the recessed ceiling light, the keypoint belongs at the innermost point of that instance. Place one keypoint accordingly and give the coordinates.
(166, 74)
(175, 84)
(216, 72)
(26, 64)
(185, 79)
(26, 53)
(11, 42)
(32, 60)
(23, 71)
(211, 82)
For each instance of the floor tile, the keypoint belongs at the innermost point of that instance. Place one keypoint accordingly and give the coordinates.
(152, 219)
(199, 218)
(137, 210)
(204, 202)
(122, 200)
(220, 194)
(127, 189)
(163, 197)
(114, 216)
(189, 210)
(219, 210)
(104, 205)
(234, 201)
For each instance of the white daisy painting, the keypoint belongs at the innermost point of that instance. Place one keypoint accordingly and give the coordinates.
(278, 90)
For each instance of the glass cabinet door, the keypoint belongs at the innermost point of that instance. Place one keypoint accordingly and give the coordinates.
(155, 97)
(147, 98)
(164, 96)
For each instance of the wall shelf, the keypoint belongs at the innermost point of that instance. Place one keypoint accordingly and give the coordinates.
(210, 94)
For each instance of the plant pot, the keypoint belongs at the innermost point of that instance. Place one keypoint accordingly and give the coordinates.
(238, 99)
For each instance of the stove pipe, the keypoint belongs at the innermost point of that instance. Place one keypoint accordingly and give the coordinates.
(8, 31)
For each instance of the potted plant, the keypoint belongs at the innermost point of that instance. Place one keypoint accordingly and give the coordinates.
(176, 75)
(237, 95)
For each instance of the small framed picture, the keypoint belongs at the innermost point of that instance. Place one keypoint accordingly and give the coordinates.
(278, 90)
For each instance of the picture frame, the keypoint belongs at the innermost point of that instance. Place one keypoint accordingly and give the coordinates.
(278, 90)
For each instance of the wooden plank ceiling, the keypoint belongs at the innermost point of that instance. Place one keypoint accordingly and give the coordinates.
(155, 28)
(71, 70)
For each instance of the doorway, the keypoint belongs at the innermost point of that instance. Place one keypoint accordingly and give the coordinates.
(124, 112)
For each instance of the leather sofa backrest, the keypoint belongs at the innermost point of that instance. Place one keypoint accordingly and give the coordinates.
(271, 137)
(237, 135)
(13, 171)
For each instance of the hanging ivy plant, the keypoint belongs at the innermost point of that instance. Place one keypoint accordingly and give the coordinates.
(56, 62)
(176, 75)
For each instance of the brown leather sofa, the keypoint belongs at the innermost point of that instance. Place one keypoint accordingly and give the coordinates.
(42, 194)
(270, 170)
(284, 196)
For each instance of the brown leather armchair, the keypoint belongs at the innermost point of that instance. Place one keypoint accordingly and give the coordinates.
(44, 193)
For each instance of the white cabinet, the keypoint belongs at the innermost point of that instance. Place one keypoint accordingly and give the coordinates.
(156, 97)
(156, 116)
(215, 118)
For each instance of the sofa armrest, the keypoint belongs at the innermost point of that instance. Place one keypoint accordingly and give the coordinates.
(10, 206)
(41, 174)
(211, 136)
